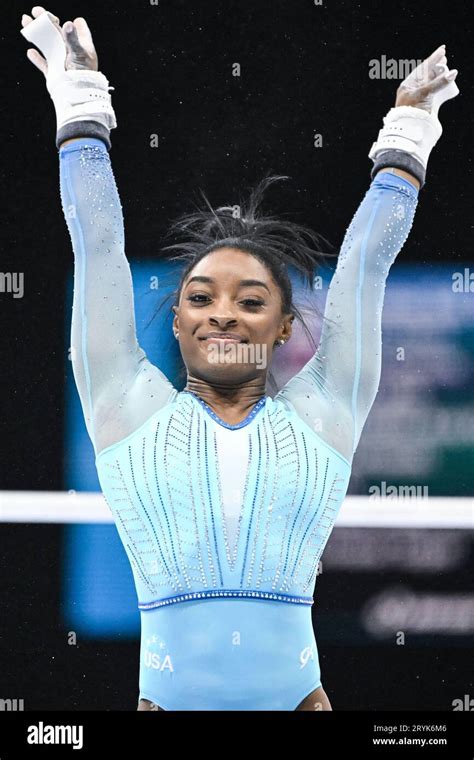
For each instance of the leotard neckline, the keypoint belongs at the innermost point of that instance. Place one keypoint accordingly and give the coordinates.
(256, 408)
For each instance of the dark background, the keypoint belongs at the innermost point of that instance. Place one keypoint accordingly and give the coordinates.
(304, 69)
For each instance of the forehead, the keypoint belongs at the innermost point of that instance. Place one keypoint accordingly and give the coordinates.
(232, 264)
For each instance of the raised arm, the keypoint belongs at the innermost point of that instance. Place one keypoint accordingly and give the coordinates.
(118, 387)
(336, 388)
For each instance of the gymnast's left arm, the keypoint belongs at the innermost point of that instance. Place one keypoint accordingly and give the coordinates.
(334, 391)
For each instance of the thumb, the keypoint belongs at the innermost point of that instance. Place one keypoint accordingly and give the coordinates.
(38, 60)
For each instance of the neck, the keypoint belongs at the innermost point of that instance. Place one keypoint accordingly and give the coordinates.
(234, 402)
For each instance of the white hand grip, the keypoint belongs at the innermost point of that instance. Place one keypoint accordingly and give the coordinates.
(77, 94)
(47, 37)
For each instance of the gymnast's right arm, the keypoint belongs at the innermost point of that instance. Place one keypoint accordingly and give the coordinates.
(118, 387)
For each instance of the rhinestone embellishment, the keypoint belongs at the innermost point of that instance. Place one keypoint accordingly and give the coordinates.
(226, 593)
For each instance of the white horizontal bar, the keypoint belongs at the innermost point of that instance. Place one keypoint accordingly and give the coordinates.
(54, 507)
(432, 512)
(356, 511)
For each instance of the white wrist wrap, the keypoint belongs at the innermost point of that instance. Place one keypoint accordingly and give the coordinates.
(81, 94)
(77, 94)
(410, 129)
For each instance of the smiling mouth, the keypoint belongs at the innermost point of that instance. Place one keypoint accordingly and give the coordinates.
(223, 340)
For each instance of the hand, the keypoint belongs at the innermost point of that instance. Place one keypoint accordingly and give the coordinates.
(80, 48)
(422, 87)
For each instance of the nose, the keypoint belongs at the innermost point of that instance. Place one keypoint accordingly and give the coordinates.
(222, 322)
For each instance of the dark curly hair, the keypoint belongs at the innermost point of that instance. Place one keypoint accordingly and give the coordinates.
(280, 245)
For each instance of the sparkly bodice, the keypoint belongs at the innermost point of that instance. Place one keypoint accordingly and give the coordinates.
(206, 509)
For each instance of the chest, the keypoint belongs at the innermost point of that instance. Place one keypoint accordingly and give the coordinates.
(254, 490)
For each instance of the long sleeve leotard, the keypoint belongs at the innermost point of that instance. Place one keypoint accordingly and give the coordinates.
(224, 525)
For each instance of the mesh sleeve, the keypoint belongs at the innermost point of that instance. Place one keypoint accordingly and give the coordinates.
(334, 391)
(119, 388)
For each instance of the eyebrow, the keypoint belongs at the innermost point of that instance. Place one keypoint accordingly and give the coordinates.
(202, 278)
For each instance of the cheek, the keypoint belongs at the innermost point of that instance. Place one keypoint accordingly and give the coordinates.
(187, 319)
(269, 325)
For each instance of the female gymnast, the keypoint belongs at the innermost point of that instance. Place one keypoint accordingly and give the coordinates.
(223, 496)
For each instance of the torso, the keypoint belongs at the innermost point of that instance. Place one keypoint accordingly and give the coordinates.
(204, 511)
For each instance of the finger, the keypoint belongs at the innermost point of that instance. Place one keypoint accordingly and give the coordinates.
(84, 34)
(37, 10)
(436, 54)
(426, 70)
(442, 63)
(25, 19)
(441, 81)
(71, 37)
(38, 60)
(436, 70)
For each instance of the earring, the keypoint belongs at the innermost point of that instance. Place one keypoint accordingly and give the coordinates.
(176, 335)
(282, 341)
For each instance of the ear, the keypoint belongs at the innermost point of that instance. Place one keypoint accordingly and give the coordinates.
(287, 327)
(175, 319)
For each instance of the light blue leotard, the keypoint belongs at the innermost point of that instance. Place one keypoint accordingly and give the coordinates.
(224, 525)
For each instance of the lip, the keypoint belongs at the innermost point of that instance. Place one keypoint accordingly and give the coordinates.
(223, 338)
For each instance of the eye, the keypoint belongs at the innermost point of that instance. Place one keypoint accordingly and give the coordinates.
(252, 302)
(201, 298)
(194, 298)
